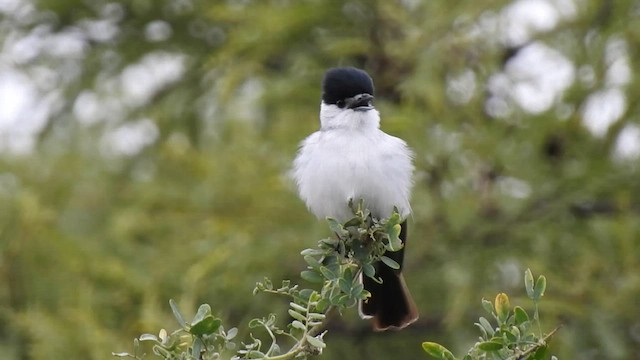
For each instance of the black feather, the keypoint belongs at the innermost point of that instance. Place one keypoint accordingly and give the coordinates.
(343, 83)
(390, 304)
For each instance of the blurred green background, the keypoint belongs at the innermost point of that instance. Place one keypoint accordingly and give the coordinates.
(145, 144)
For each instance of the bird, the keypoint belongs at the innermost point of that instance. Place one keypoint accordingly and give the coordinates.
(350, 159)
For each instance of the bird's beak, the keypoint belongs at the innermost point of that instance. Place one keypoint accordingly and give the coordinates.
(360, 102)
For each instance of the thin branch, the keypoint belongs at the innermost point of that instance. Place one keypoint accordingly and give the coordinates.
(531, 350)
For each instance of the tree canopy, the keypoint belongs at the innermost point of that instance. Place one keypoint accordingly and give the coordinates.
(145, 145)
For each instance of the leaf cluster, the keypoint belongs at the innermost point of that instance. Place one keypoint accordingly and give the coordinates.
(337, 265)
(514, 335)
(204, 338)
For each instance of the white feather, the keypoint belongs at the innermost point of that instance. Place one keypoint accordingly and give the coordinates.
(351, 158)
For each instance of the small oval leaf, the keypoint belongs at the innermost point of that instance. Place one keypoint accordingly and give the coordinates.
(197, 348)
(521, 316)
(298, 307)
(328, 274)
(312, 277)
(316, 342)
(177, 314)
(148, 337)
(437, 351)
(390, 262)
(345, 286)
(487, 326)
(311, 261)
(297, 316)
(490, 346)
(232, 333)
(203, 311)
(488, 306)
(368, 270)
(298, 325)
(541, 286)
(206, 326)
(312, 252)
(528, 283)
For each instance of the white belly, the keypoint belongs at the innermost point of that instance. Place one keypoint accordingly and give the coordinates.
(335, 166)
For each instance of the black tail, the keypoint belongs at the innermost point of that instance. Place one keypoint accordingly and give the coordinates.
(390, 304)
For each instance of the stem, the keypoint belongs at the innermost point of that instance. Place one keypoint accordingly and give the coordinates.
(299, 346)
(535, 347)
(536, 316)
(273, 340)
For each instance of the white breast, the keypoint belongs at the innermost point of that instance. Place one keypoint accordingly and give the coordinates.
(337, 164)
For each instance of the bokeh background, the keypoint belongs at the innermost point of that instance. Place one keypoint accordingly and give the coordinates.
(145, 144)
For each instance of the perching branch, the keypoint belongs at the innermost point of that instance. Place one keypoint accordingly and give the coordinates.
(335, 266)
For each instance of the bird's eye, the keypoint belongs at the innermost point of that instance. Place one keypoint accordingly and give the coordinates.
(340, 103)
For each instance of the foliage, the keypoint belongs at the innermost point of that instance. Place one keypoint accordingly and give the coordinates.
(517, 336)
(337, 264)
(94, 239)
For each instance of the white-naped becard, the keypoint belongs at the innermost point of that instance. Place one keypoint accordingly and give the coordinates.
(350, 158)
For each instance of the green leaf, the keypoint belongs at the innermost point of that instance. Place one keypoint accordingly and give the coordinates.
(395, 243)
(343, 300)
(335, 299)
(348, 275)
(390, 262)
(351, 302)
(312, 252)
(232, 333)
(297, 316)
(148, 337)
(369, 270)
(197, 348)
(315, 342)
(520, 315)
(344, 285)
(353, 222)
(541, 286)
(306, 294)
(311, 261)
(208, 325)
(515, 331)
(394, 219)
(327, 273)
(490, 346)
(298, 325)
(487, 326)
(540, 354)
(328, 243)
(356, 290)
(317, 316)
(487, 305)
(482, 330)
(298, 307)
(203, 311)
(524, 327)
(333, 265)
(323, 305)
(121, 354)
(255, 354)
(177, 314)
(336, 227)
(162, 352)
(312, 277)
(437, 351)
(512, 334)
(528, 283)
